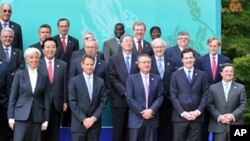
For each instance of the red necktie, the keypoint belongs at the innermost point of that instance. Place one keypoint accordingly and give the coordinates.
(214, 67)
(50, 71)
(64, 44)
(139, 47)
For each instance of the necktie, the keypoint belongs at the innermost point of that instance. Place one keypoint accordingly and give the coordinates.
(50, 71)
(64, 43)
(214, 67)
(146, 88)
(160, 68)
(89, 87)
(7, 54)
(5, 24)
(139, 47)
(128, 64)
(189, 77)
(226, 91)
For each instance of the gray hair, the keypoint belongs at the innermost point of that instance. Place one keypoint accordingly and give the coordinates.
(158, 40)
(7, 29)
(1, 6)
(31, 51)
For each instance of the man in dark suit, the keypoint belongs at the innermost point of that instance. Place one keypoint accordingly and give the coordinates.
(4, 92)
(56, 71)
(175, 51)
(164, 67)
(226, 102)
(119, 67)
(66, 43)
(141, 45)
(210, 64)
(44, 32)
(111, 46)
(144, 96)
(5, 14)
(87, 99)
(100, 66)
(14, 58)
(79, 53)
(188, 92)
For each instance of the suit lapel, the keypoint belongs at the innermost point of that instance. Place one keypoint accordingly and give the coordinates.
(97, 65)
(222, 93)
(140, 85)
(56, 70)
(38, 82)
(95, 84)
(231, 91)
(84, 84)
(27, 79)
(154, 65)
(184, 76)
(133, 64)
(121, 63)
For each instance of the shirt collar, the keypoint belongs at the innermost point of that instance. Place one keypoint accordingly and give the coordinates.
(32, 71)
(125, 55)
(186, 69)
(216, 56)
(47, 60)
(156, 58)
(66, 37)
(226, 83)
(85, 75)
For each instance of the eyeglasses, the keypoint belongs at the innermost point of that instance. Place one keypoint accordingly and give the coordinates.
(7, 11)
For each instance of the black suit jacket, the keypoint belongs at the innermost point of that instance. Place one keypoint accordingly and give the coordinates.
(16, 62)
(203, 63)
(79, 53)
(4, 91)
(23, 101)
(58, 88)
(118, 75)
(169, 69)
(188, 97)
(81, 105)
(18, 39)
(146, 49)
(39, 47)
(72, 45)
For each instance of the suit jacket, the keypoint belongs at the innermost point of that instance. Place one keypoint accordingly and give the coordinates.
(18, 39)
(204, 64)
(110, 48)
(217, 105)
(135, 96)
(16, 62)
(81, 105)
(117, 76)
(186, 96)
(4, 91)
(39, 47)
(72, 45)
(169, 69)
(146, 49)
(23, 101)
(79, 53)
(175, 53)
(58, 88)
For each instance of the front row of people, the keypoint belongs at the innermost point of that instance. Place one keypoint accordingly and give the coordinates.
(31, 100)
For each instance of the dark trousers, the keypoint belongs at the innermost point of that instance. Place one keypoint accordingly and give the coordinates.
(6, 133)
(120, 123)
(53, 130)
(66, 120)
(145, 133)
(27, 130)
(184, 131)
(205, 133)
(165, 130)
(85, 136)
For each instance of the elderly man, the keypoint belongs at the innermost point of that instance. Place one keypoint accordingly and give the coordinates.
(5, 14)
(164, 67)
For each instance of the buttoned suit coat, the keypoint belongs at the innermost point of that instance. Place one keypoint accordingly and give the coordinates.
(217, 105)
(181, 91)
(135, 95)
(81, 105)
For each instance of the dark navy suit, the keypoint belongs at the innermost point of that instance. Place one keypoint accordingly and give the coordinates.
(135, 96)
(146, 49)
(188, 97)
(58, 95)
(79, 53)
(118, 75)
(165, 111)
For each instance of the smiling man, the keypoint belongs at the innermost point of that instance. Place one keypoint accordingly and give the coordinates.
(188, 93)
(5, 14)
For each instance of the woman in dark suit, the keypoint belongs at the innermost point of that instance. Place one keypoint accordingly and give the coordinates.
(28, 110)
